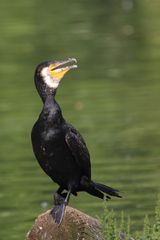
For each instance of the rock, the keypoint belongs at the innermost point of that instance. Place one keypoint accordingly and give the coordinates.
(75, 226)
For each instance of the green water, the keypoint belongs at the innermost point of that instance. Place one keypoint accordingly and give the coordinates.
(112, 98)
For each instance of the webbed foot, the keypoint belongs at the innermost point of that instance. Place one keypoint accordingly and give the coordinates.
(58, 212)
(60, 201)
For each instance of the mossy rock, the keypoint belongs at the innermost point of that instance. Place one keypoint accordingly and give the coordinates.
(75, 226)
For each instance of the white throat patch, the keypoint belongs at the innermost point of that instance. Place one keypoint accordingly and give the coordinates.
(52, 83)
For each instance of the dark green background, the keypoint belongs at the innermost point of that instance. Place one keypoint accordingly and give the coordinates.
(112, 98)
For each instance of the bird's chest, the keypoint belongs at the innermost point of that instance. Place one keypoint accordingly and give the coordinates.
(52, 143)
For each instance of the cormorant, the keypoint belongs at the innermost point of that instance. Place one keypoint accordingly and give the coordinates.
(59, 148)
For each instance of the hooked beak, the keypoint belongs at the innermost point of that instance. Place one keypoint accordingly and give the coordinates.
(59, 68)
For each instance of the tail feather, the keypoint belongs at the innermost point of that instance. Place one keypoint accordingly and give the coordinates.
(98, 189)
(95, 192)
(105, 189)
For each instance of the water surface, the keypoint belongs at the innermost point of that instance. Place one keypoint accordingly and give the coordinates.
(112, 98)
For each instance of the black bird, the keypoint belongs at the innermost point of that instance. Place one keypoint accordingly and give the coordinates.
(58, 146)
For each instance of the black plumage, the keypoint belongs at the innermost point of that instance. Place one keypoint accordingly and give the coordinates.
(59, 148)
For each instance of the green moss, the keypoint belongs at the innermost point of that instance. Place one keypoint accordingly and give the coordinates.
(118, 228)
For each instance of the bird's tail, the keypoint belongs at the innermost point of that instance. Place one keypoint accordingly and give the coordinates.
(100, 190)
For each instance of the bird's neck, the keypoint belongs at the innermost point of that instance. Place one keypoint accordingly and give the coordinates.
(50, 102)
(51, 111)
(48, 94)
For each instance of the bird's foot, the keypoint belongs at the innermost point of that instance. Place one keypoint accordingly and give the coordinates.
(60, 201)
(58, 212)
(60, 204)
(59, 198)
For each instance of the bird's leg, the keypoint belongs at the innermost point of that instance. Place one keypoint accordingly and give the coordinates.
(58, 211)
(67, 197)
(59, 197)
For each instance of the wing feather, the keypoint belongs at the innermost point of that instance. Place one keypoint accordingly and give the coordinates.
(79, 150)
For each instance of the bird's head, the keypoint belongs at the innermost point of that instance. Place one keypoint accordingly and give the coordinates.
(49, 74)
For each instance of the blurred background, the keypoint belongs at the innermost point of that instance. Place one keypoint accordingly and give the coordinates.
(112, 98)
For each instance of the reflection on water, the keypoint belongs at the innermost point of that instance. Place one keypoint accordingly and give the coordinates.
(112, 98)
